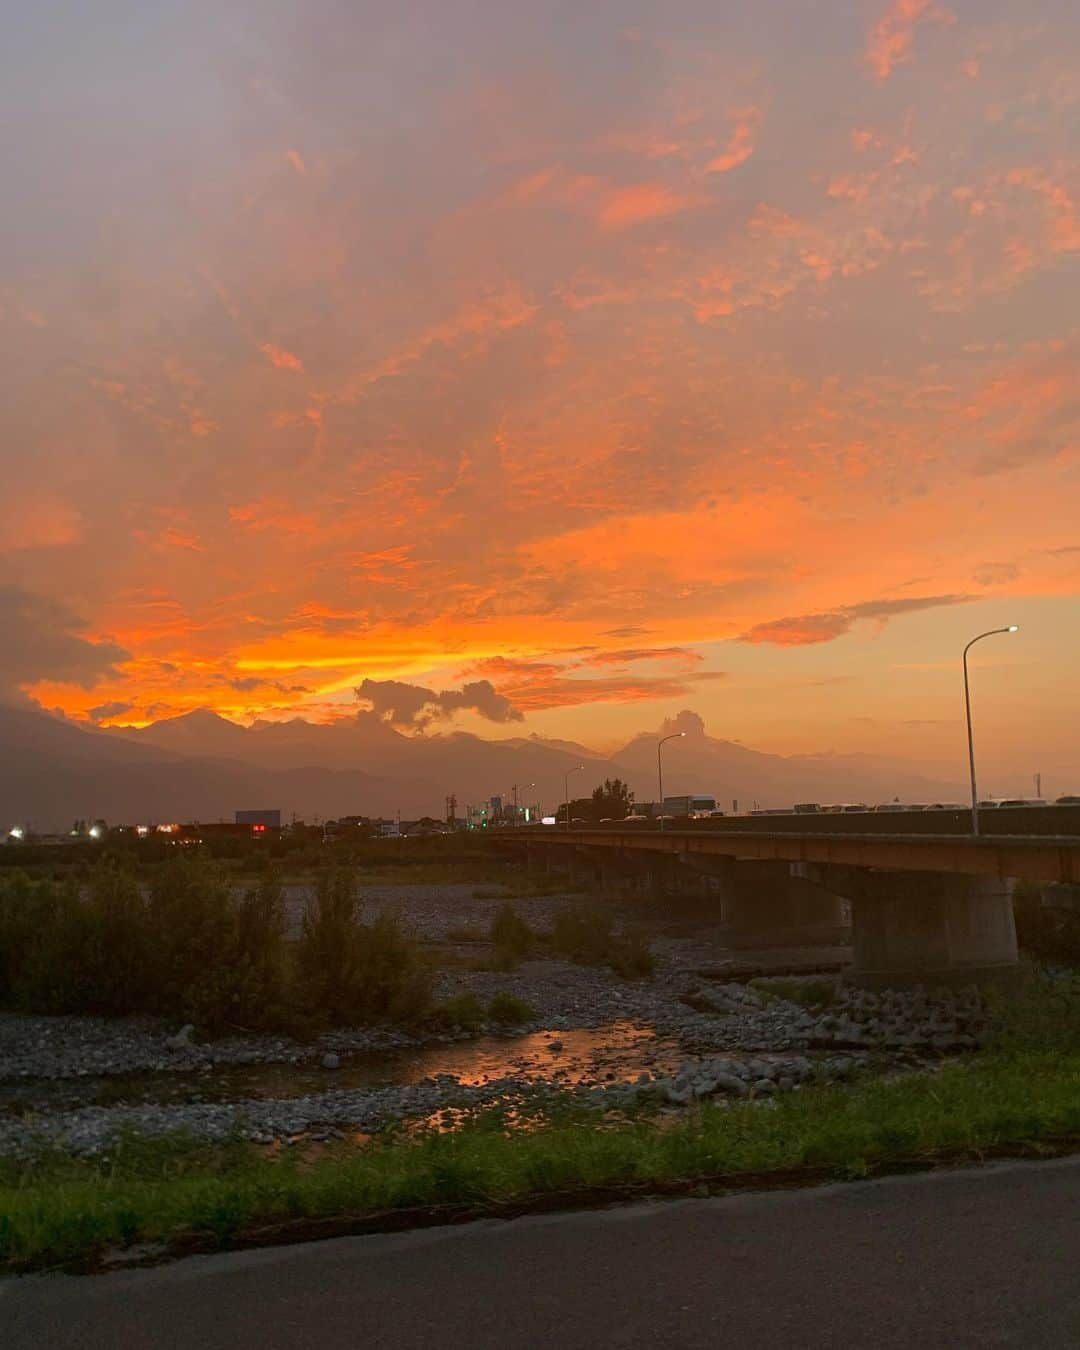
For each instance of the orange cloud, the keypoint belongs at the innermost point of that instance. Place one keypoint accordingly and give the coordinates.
(272, 515)
(640, 202)
(279, 357)
(890, 39)
(740, 145)
(297, 161)
(806, 629)
(31, 521)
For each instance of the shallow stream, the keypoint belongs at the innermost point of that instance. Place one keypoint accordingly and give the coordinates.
(617, 1052)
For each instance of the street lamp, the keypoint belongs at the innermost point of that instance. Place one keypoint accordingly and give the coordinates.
(566, 790)
(660, 768)
(1012, 628)
(514, 790)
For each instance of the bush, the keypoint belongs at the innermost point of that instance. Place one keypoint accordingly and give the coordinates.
(1048, 933)
(587, 935)
(632, 957)
(464, 1011)
(512, 936)
(197, 948)
(220, 952)
(508, 1008)
(27, 910)
(350, 971)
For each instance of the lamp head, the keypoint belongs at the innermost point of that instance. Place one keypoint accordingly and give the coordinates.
(1013, 628)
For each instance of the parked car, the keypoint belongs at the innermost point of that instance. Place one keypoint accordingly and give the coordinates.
(947, 806)
(1070, 799)
(1022, 801)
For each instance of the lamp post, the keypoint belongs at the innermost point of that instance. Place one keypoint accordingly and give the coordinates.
(660, 768)
(514, 790)
(566, 790)
(1012, 628)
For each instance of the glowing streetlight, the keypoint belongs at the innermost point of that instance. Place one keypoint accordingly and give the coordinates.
(514, 790)
(1012, 628)
(566, 790)
(675, 735)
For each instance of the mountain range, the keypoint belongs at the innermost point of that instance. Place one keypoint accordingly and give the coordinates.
(201, 766)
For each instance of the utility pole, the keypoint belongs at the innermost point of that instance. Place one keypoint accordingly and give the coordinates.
(1038, 786)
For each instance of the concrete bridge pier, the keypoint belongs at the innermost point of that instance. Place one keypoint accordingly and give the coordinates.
(928, 927)
(771, 904)
(614, 870)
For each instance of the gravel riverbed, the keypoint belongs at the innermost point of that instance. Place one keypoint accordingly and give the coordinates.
(673, 1037)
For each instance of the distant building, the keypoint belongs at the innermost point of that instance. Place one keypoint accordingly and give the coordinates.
(272, 819)
(197, 833)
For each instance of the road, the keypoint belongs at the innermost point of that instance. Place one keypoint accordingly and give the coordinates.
(957, 1261)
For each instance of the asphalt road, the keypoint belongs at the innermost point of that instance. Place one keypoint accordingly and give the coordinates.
(958, 1260)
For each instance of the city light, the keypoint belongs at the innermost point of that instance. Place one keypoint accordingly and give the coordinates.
(16, 832)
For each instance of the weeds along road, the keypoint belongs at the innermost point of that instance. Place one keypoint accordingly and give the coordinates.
(956, 1260)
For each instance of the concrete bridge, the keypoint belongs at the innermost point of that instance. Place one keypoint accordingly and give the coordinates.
(922, 906)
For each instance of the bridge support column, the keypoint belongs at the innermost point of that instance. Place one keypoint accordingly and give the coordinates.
(780, 904)
(930, 928)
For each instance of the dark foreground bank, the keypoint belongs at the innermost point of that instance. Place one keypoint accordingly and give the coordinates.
(979, 1258)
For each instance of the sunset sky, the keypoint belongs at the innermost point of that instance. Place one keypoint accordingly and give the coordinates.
(597, 360)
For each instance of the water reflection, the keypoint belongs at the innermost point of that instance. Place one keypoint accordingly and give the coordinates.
(616, 1052)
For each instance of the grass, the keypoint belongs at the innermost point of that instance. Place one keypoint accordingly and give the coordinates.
(808, 993)
(192, 1197)
(509, 1009)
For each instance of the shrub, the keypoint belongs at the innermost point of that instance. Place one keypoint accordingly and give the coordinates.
(583, 934)
(508, 1008)
(632, 957)
(350, 971)
(109, 945)
(587, 935)
(190, 909)
(1049, 933)
(512, 936)
(465, 1010)
(197, 948)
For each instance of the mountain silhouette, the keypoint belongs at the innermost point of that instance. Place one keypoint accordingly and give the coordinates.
(201, 766)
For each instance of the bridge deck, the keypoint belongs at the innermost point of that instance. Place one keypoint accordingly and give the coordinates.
(1044, 858)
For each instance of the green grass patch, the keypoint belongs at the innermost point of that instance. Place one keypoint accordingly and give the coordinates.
(510, 1009)
(808, 993)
